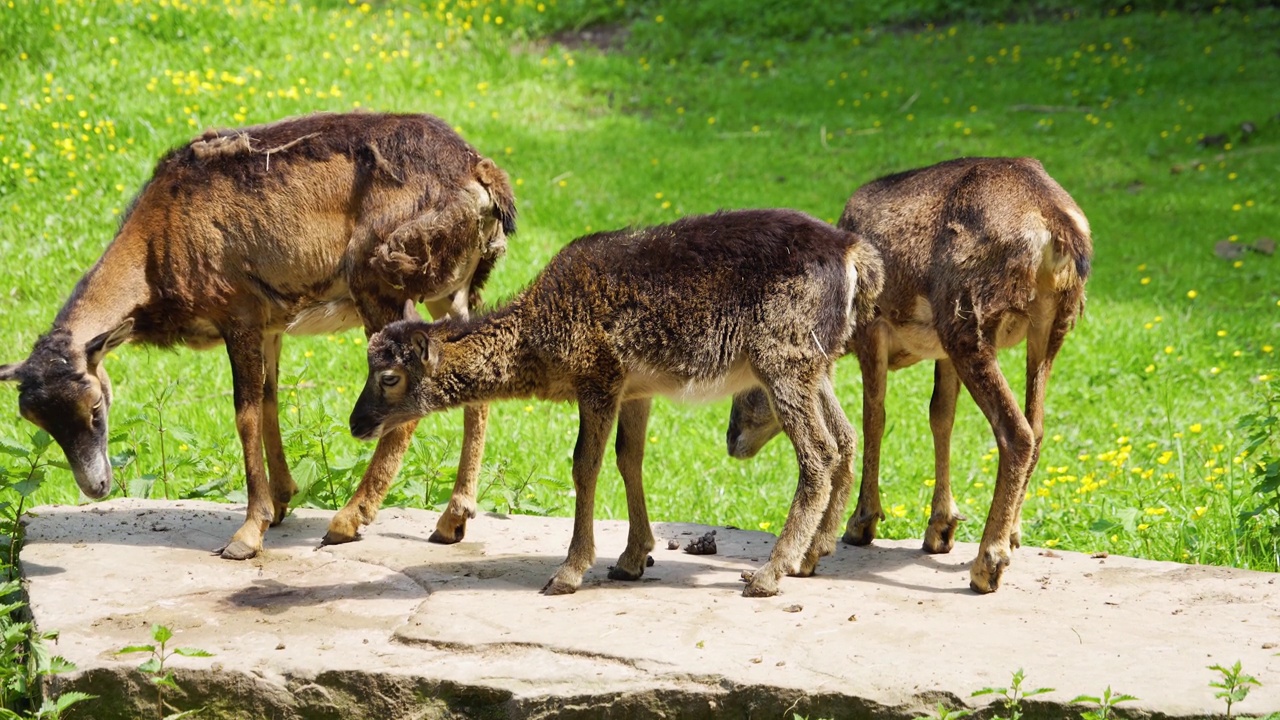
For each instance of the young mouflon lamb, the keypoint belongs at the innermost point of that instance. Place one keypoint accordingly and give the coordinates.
(698, 309)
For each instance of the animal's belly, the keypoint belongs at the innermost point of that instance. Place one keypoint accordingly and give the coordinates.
(911, 342)
(647, 383)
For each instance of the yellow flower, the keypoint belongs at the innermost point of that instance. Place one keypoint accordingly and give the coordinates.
(764, 525)
(1192, 294)
(1195, 428)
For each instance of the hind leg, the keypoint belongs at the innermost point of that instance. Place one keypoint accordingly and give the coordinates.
(945, 516)
(874, 360)
(824, 542)
(282, 486)
(633, 419)
(799, 408)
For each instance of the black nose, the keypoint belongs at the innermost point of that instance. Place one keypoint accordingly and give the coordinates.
(363, 428)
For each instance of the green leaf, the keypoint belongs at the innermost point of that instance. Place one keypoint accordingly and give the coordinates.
(161, 634)
(30, 484)
(135, 649)
(41, 440)
(166, 681)
(10, 447)
(150, 666)
(67, 699)
(183, 714)
(192, 652)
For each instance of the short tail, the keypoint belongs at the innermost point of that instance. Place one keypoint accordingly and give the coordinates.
(496, 182)
(870, 267)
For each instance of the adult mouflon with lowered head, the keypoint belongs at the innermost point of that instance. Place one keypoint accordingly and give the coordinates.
(701, 308)
(307, 225)
(979, 254)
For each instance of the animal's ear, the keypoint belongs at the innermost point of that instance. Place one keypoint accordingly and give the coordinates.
(411, 311)
(96, 349)
(9, 372)
(427, 349)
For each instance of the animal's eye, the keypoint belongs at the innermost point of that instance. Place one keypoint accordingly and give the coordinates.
(98, 405)
(390, 380)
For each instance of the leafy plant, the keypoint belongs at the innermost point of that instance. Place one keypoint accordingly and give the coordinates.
(1262, 450)
(942, 712)
(1106, 704)
(24, 657)
(1234, 686)
(154, 668)
(1012, 696)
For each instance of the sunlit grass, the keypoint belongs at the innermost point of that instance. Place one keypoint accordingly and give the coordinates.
(691, 115)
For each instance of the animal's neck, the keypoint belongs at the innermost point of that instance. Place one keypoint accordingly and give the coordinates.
(490, 362)
(111, 291)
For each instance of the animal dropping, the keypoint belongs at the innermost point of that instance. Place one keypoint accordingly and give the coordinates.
(308, 225)
(701, 308)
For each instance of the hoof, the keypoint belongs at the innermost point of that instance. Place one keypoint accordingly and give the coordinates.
(281, 510)
(337, 538)
(860, 537)
(558, 587)
(808, 567)
(861, 529)
(441, 538)
(617, 573)
(754, 589)
(940, 539)
(237, 551)
(986, 571)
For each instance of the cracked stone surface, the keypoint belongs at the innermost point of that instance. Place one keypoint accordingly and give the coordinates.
(395, 627)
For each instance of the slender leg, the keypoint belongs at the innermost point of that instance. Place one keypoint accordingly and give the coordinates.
(244, 347)
(595, 419)
(1048, 328)
(367, 499)
(452, 525)
(945, 516)
(633, 419)
(282, 486)
(874, 360)
(365, 502)
(980, 373)
(824, 542)
(800, 412)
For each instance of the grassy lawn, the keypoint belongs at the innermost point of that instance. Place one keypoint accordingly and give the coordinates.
(691, 107)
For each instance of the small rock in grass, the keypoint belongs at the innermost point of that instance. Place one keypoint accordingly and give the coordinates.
(673, 544)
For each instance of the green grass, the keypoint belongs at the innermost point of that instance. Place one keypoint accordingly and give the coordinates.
(704, 106)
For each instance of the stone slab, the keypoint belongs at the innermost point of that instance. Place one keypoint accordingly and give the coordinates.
(395, 627)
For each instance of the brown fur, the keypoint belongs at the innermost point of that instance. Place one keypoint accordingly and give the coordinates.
(311, 224)
(979, 253)
(696, 309)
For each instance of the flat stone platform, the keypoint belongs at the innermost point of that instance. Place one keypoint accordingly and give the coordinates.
(395, 627)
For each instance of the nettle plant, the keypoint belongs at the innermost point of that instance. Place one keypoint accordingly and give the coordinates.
(24, 652)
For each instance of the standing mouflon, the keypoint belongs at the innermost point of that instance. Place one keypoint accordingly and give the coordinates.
(306, 225)
(697, 309)
(979, 253)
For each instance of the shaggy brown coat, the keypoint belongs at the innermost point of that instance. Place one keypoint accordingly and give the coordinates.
(307, 225)
(697, 309)
(979, 253)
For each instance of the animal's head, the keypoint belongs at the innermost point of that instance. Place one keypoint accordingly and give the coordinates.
(752, 423)
(64, 390)
(403, 359)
